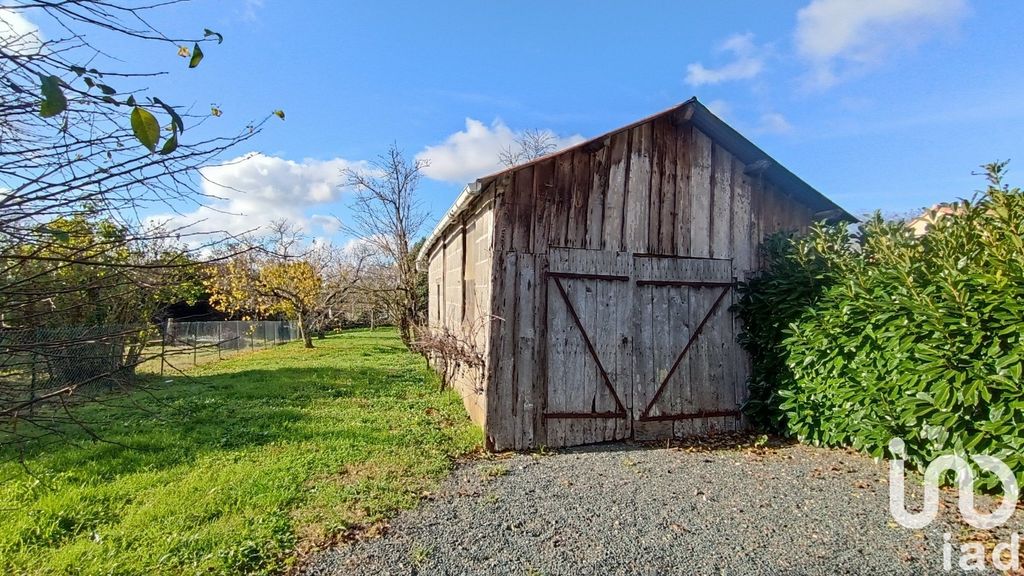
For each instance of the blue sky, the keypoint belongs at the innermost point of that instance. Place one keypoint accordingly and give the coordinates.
(879, 104)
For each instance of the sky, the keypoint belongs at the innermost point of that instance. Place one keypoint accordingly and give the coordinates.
(879, 104)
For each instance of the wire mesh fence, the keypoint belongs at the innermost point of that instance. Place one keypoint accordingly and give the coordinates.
(182, 345)
(37, 363)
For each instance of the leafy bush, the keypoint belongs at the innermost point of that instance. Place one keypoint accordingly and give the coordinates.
(860, 338)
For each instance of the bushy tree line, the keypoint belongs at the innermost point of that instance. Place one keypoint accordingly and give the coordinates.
(859, 338)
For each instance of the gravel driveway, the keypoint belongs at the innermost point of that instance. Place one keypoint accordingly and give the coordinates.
(626, 509)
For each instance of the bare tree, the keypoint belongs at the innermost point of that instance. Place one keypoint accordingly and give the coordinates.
(85, 150)
(387, 215)
(529, 145)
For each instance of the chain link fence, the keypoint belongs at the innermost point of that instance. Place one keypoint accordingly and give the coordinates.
(40, 363)
(183, 345)
(37, 363)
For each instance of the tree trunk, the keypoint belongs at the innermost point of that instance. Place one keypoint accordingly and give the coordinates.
(405, 328)
(307, 338)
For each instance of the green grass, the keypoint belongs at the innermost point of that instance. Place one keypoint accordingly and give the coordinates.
(265, 455)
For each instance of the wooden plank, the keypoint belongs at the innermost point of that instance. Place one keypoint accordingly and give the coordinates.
(700, 195)
(636, 204)
(500, 390)
(582, 261)
(676, 335)
(556, 338)
(563, 207)
(544, 200)
(561, 371)
(743, 241)
(524, 410)
(540, 324)
(682, 269)
(756, 210)
(576, 229)
(524, 209)
(664, 358)
(681, 228)
(643, 377)
(597, 178)
(698, 356)
(721, 204)
(614, 207)
(504, 213)
(604, 342)
(657, 193)
(665, 156)
(745, 245)
(682, 401)
(615, 322)
(593, 384)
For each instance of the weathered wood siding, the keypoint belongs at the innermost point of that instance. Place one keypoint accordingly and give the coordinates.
(459, 292)
(656, 188)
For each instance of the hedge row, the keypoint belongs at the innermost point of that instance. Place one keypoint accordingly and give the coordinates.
(859, 338)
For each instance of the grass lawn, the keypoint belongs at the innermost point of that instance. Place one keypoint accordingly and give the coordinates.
(264, 455)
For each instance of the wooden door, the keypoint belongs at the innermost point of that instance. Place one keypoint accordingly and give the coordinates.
(589, 336)
(638, 347)
(685, 356)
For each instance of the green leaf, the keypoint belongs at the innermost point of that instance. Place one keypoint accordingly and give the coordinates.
(279, 114)
(175, 117)
(54, 101)
(207, 33)
(145, 127)
(171, 144)
(106, 89)
(197, 56)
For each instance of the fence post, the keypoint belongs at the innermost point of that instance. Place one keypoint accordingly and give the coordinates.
(163, 344)
(32, 394)
(195, 342)
(220, 338)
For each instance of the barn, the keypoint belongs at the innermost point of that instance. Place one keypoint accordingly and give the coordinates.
(595, 283)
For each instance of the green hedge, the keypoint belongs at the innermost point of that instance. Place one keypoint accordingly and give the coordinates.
(858, 338)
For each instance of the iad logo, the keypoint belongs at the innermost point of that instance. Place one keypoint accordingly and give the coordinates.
(965, 480)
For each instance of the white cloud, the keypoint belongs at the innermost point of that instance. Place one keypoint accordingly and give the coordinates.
(474, 152)
(251, 191)
(329, 224)
(774, 123)
(748, 62)
(720, 108)
(840, 37)
(18, 34)
(251, 9)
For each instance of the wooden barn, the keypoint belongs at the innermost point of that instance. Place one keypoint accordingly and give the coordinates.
(596, 283)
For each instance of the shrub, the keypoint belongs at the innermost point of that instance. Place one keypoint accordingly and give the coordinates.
(860, 338)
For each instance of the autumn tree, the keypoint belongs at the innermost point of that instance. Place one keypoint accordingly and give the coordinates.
(387, 216)
(280, 275)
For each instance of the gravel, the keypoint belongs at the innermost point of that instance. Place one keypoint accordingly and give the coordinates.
(628, 509)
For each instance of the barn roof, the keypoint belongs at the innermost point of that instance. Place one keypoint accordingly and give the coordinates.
(757, 161)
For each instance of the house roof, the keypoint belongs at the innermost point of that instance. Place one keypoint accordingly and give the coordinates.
(692, 111)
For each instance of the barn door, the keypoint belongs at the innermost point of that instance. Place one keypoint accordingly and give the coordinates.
(589, 334)
(685, 357)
